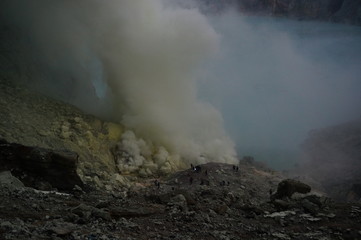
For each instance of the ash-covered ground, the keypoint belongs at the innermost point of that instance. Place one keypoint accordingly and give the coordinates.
(211, 201)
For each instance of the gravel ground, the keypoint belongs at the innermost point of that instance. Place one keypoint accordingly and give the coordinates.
(218, 203)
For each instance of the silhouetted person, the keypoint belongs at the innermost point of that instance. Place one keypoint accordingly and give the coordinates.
(206, 172)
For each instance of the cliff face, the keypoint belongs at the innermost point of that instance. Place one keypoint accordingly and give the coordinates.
(333, 157)
(343, 11)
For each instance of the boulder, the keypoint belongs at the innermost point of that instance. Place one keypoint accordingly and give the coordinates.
(310, 206)
(7, 178)
(179, 202)
(34, 164)
(288, 187)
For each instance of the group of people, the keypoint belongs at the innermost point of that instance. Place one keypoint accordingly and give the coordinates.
(198, 169)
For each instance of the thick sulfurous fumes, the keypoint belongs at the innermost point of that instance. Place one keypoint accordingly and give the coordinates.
(129, 61)
(133, 154)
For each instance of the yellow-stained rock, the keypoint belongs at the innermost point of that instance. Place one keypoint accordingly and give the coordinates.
(113, 131)
(96, 125)
(65, 135)
(78, 119)
(61, 126)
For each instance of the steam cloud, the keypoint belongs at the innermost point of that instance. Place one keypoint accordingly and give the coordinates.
(281, 78)
(133, 61)
(138, 62)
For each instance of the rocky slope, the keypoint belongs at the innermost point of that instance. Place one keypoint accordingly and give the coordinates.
(220, 202)
(33, 119)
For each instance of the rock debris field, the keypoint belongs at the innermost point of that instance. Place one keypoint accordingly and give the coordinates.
(212, 201)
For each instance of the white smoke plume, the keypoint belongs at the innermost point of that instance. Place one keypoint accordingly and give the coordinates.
(134, 60)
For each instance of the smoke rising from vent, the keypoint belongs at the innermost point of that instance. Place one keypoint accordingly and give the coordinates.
(129, 60)
(139, 62)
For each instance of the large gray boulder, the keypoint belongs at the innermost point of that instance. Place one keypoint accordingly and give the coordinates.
(6, 178)
(288, 187)
(34, 164)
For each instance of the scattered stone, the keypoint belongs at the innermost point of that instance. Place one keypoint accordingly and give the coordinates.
(117, 213)
(310, 218)
(330, 215)
(103, 204)
(179, 202)
(280, 214)
(281, 236)
(6, 224)
(310, 207)
(212, 213)
(98, 213)
(314, 199)
(63, 229)
(281, 204)
(199, 212)
(222, 209)
(82, 211)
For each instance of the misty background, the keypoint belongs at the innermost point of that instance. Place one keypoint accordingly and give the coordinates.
(275, 80)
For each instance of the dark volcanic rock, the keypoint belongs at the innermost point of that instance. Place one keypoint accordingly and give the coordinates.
(33, 165)
(309, 206)
(117, 213)
(288, 187)
(7, 178)
(345, 11)
(219, 212)
(349, 11)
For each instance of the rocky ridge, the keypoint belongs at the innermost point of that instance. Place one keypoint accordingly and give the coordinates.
(341, 11)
